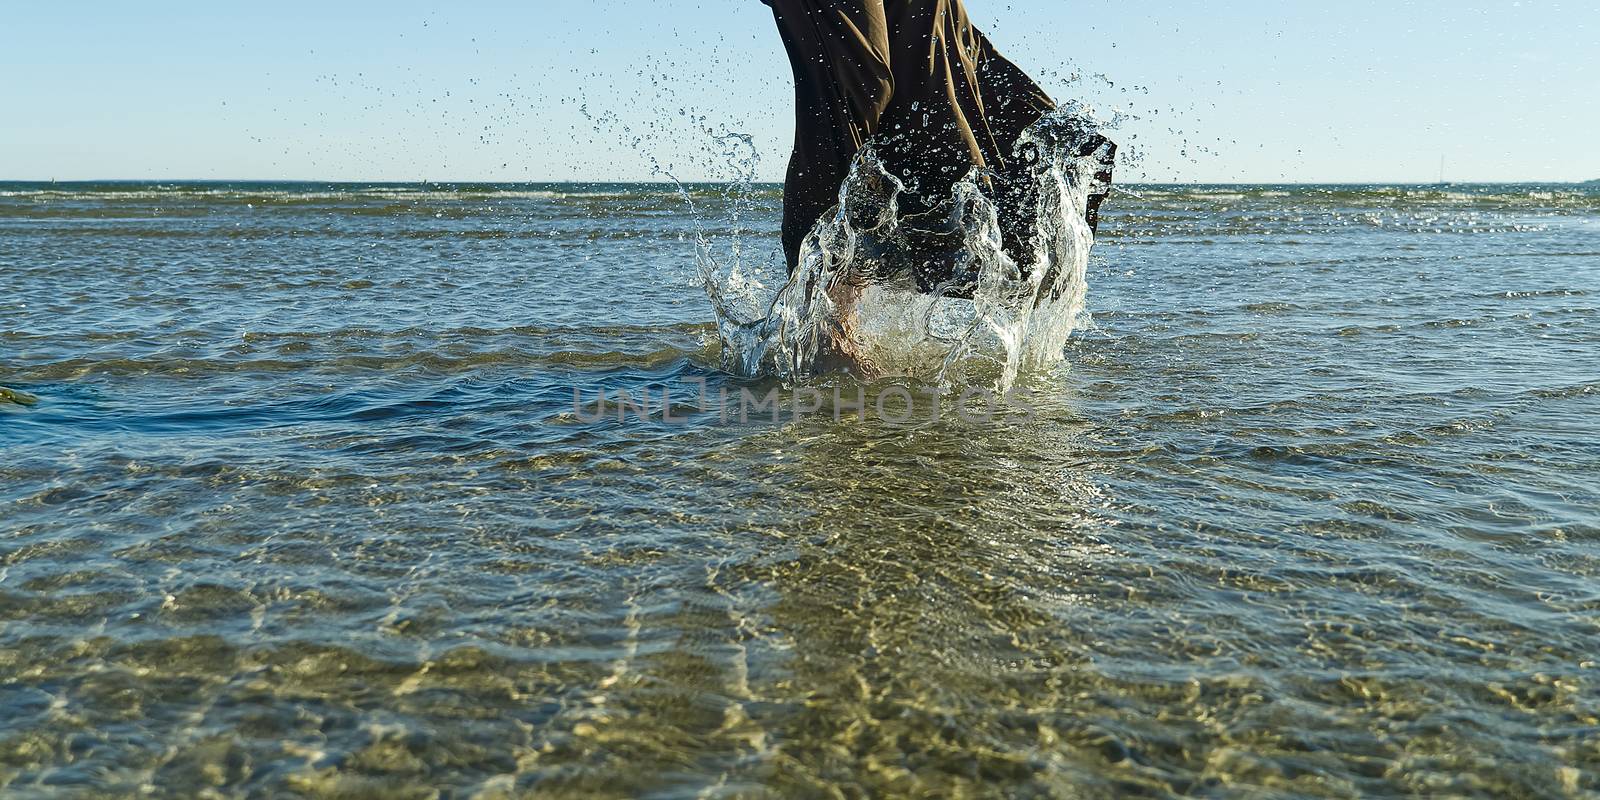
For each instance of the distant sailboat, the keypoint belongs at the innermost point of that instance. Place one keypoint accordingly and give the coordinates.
(1442, 181)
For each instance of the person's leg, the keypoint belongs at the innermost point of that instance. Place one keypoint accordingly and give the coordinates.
(839, 50)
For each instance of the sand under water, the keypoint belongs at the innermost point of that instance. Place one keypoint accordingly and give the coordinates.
(306, 506)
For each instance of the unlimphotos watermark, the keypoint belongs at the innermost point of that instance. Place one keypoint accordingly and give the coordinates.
(891, 404)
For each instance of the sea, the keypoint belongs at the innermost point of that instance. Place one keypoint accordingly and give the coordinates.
(453, 491)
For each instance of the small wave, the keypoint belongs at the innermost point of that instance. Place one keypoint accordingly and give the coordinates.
(1536, 293)
(470, 332)
(1272, 308)
(312, 361)
(1567, 392)
(196, 352)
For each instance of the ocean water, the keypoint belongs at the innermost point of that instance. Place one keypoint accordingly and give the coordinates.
(303, 493)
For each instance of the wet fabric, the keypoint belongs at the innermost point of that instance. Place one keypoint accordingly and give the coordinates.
(914, 77)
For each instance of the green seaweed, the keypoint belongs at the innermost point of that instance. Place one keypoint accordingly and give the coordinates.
(17, 397)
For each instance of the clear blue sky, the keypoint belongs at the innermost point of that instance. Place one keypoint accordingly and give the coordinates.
(1360, 90)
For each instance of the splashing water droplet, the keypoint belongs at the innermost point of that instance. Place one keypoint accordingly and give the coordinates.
(859, 299)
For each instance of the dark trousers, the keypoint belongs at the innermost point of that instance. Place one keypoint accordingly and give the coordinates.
(913, 76)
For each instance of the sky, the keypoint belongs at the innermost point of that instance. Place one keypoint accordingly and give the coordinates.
(558, 90)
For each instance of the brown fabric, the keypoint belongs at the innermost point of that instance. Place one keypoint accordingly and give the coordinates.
(913, 75)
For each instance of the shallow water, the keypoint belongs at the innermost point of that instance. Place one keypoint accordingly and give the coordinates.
(305, 505)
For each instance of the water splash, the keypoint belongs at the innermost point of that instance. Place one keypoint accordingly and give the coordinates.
(860, 300)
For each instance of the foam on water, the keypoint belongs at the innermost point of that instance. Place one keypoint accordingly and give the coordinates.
(851, 305)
